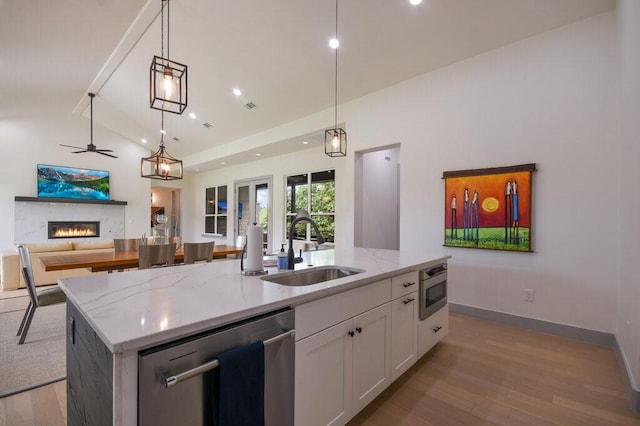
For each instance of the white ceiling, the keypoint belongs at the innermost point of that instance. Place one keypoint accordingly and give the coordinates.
(53, 53)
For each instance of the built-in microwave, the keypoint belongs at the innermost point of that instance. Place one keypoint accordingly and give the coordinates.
(433, 289)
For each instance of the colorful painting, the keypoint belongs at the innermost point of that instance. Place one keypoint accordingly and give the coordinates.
(489, 208)
(71, 182)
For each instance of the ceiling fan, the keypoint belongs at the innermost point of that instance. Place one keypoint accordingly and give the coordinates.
(91, 147)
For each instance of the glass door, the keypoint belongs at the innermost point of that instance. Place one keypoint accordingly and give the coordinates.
(253, 205)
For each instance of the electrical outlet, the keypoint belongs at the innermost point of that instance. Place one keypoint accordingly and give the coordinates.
(528, 295)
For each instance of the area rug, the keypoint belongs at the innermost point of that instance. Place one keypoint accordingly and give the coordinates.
(41, 359)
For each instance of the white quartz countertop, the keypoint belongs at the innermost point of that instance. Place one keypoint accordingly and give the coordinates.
(140, 309)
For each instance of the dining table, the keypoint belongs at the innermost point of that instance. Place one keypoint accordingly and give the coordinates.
(113, 261)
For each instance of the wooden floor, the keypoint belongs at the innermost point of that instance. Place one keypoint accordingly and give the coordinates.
(483, 373)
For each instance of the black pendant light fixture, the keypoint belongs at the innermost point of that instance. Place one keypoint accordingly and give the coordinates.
(161, 165)
(167, 79)
(335, 140)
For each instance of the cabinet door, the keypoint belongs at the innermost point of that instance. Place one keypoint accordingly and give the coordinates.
(323, 377)
(371, 355)
(404, 340)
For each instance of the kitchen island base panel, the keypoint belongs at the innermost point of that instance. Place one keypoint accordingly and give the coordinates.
(89, 374)
(134, 311)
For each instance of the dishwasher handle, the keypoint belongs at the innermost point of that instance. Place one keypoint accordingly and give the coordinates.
(208, 366)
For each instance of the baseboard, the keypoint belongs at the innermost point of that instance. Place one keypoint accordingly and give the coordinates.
(570, 332)
(634, 394)
(582, 334)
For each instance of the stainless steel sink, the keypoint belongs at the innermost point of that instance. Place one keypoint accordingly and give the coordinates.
(310, 276)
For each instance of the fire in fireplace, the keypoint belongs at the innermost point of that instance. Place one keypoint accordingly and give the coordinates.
(74, 229)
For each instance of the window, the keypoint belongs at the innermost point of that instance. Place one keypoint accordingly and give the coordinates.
(314, 192)
(215, 211)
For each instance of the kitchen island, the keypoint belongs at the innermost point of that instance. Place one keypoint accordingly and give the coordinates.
(133, 311)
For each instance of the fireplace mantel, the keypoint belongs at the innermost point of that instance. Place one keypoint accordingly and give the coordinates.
(69, 200)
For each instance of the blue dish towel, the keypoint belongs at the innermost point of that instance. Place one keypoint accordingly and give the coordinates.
(241, 393)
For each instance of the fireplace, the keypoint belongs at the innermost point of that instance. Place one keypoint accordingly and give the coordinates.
(75, 229)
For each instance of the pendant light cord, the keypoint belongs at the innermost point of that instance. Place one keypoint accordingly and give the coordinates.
(162, 28)
(91, 95)
(162, 128)
(162, 54)
(336, 69)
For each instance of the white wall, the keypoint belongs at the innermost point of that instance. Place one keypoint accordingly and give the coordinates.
(548, 100)
(628, 318)
(551, 100)
(27, 141)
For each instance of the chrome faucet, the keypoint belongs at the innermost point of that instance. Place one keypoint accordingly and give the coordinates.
(302, 216)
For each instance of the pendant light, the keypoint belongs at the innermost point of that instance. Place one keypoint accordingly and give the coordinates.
(167, 78)
(335, 140)
(161, 165)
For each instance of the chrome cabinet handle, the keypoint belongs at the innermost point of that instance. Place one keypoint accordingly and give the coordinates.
(408, 300)
(359, 330)
(351, 333)
(436, 329)
(405, 285)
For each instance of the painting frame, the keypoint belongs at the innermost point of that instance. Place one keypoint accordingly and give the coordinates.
(496, 211)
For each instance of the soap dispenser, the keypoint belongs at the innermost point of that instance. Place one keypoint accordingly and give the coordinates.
(282, 259)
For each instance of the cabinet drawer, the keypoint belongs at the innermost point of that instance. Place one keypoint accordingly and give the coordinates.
(404, 284)
(323, 313)
(432, 330)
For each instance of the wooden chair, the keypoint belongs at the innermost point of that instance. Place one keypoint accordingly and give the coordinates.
(150, 255)
(46, 297)
(126, 244)
(240, 242)
(194, 252)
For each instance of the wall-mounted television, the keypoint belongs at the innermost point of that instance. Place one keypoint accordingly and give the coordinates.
(72, 182)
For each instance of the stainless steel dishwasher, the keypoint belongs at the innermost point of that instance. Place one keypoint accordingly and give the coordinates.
(174, 379)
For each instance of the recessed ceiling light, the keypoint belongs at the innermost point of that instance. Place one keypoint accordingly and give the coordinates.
(258, 154)
(305, 143)
(237, 92)
(334, 43)
(223, 162)
(192, 115)
(415, 2)
(143, 140)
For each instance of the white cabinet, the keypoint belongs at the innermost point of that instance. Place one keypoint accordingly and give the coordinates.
(432, 329)
(341, 369)
(404, 317)
(371, 355)
(350, 346)
(404, 342)
(323, 377)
